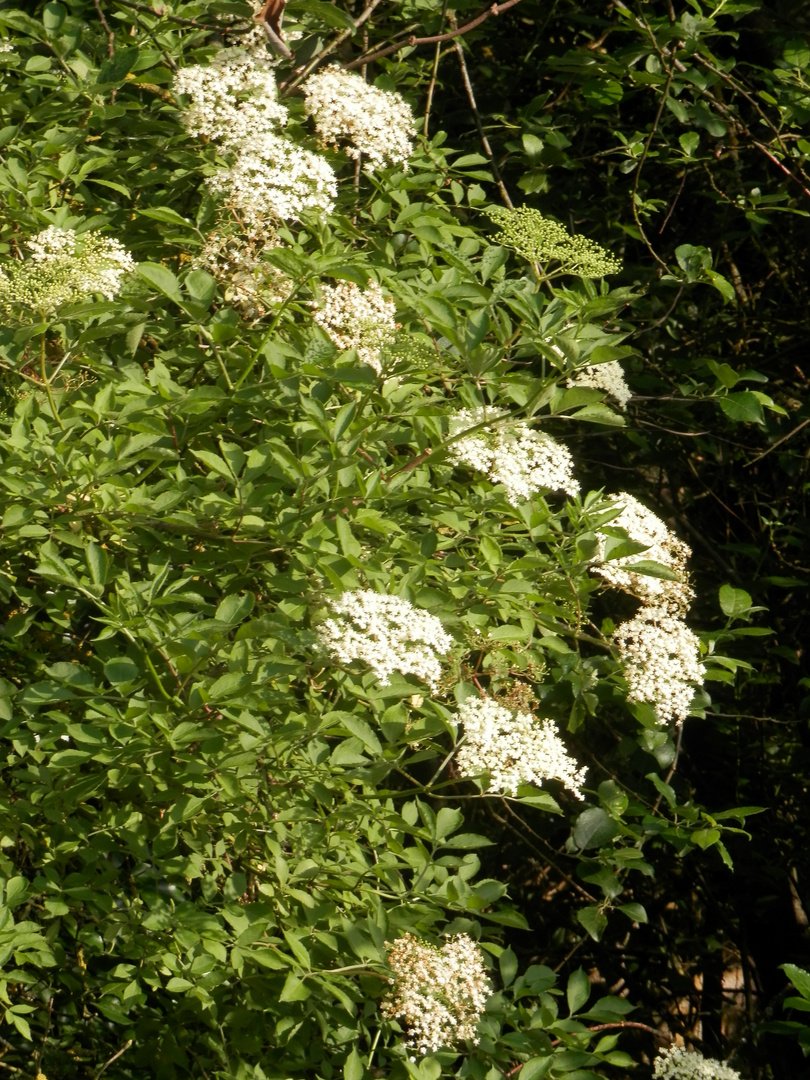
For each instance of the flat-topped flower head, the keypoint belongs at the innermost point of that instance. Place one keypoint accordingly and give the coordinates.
(608, 377)
(355, 318)
(377, 123)
(233, 97)
(272, 179)
(64, 267)
(661, 659)
(388, 633)
(676, 1063)
(663, 546)
(526, 462)
(514, 748)
(250, 283)
(439, 993)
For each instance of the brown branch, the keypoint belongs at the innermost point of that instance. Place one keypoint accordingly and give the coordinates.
(123, 1049)
(778, 442)
(172, 18)
(496, 172)
(412, 41)
(290, 84)
(107, 30)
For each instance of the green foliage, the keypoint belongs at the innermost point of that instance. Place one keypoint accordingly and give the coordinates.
(210, 827)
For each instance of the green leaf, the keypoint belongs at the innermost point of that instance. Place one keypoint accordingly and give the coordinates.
(578, 990)
(799, 977)
(743, 406)
(294, 989)
(508, 966)
(169, 216)
(234, 608)
(599, 413)
(535, 1068)
(593, 828)
(354, 1068)
(734, 602)
(115, 69)
(634, 911)
(594, 921)
(324, 13)
(162, 279)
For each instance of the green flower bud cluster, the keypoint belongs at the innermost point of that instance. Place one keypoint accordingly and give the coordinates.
(541, 240)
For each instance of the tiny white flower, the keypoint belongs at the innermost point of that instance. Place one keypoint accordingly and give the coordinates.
(439, 993)
(608, 377)
(388, 633)
(663, 546)
(64, 267)
(513, 747)
(661, 658)
(523, 460)
(377, 123)
(676, 1063)
(357, 319)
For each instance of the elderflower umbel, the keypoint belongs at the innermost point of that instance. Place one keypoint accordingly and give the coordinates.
(357, 319)
(64, 267)
(663, 546)
(676, 1063)
(388, 633)
(439, 993)
(233, 97)
(540, 240)
(608, 377)
(514, 748)
(234, 101)
(661, 658)
(377, 123)
(250, 283)
(273, 178)
(524, 461)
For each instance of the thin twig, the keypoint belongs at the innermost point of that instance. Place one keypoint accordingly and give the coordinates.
(344, 35)
(434, 73)
(107, 30)
(778, 442)
(172, 18)
(481, 133)
(410, 42)
(674, 203)
(123, 1050)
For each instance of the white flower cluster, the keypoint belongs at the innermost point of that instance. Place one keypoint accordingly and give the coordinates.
(377, 123)
(272, 178)
(232, 98)
(387, 633)
(663, 546)
(250, 283)
(440, 993)
(608, 377)
(524, 461)
(64, 267)
(234, 101)
(514, 748)
(679, 1064)
(357, 319)
(661, 658)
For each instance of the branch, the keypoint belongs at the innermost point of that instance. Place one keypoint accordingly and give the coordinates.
(412, 41)
(291, 84)
(482, 134)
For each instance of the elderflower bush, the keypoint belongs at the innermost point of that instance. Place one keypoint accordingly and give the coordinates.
(294, 608)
